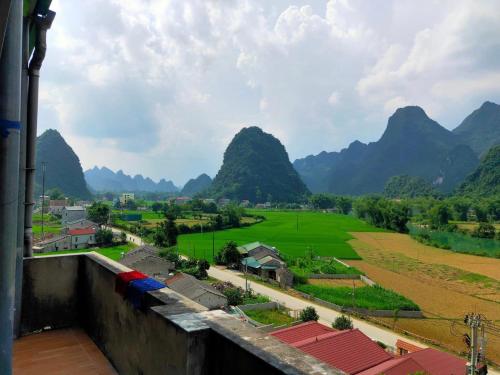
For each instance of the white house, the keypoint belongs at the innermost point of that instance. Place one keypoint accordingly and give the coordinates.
(82, 238)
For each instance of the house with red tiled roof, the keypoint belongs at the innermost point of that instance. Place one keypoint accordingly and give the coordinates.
(301, 332)
(82, 238)
(438, 363)
(404, 347)
(395, 366)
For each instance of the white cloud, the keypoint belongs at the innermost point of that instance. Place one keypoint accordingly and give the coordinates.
(160, 87)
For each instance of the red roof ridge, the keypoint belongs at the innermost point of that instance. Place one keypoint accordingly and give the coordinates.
(80, 231)
(321, 337)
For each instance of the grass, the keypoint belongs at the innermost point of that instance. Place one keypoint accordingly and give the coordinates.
(256, 298)
(458, 242)
(274, 317)
(305, 267)
(112, 252)
(37, 229)
(367, 297)
(293, 233)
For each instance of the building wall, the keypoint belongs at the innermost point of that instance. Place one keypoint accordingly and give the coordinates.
(82, 241)
(62, 244)
(71, 215)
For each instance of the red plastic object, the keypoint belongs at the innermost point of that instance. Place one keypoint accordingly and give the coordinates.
(124, 278)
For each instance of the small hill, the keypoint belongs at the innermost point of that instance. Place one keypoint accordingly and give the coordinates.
(481, 129)
(412, 144)
(409, 187)
(104, 179)
(256, 167)
(63, 169)
(485, 181)
(196, 185)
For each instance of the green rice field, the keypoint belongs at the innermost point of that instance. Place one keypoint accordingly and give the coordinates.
(293, 233)
(112, 252)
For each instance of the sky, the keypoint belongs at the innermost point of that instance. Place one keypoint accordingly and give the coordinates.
(160, 87)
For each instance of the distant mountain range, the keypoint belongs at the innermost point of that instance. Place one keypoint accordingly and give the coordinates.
(256, 167)
(413, 145)
(62, 166)
(104, 179)
(196, 185)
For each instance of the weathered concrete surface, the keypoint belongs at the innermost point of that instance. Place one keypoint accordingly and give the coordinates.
(50, 292)
(173, 335)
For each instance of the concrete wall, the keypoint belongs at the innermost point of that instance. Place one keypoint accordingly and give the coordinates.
(173, 335)
(50, 290)
(260, 306)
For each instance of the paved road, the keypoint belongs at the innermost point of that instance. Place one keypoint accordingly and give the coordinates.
(327, 316)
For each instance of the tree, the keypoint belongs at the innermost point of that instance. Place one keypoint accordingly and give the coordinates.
(104, 237)
(321, 201)
(484, 230)
(439, 215)
(98, 212)
(55, 193)
(229, 254)
(308, 314)
(342, 322)
(123, 237)
(166, 233)
(156, 207)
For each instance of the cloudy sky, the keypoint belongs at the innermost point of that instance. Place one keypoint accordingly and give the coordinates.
(160, 87)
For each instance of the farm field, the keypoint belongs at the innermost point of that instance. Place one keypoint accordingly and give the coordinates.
(274, 317)
(325, 233)
(445, 285)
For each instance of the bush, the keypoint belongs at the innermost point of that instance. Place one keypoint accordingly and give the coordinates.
(104, 236)
(234, 296)
(484, 230)
(228, 255)
(342, 322)
(309, 314)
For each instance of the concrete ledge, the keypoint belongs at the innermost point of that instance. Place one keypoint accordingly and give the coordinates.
(260, 306)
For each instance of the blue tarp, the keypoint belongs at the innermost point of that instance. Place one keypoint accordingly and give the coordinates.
(137, 288)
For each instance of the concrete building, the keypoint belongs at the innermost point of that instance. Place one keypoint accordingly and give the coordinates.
(197, 291)
(79, 224)
(56, 243)
(82, 238)
(145, 259)
(57, 205)
(126, 197)
(72, 213)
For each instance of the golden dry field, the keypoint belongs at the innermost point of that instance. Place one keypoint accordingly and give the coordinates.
(444, 284)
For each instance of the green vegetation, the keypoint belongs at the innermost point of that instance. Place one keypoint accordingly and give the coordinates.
(328, 201)
(456, 241)
(342, 322)
(383, 213)
(485, 180)
(98, 213)
(196, 185)
(256, 167)
(409, 187)
(62, 166)
(274, 317)
(293, 233)
(308, 314)
(254, 298)
(304, 266)
(367, 297)
(112, 252)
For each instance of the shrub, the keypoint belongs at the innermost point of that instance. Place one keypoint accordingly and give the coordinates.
(484, 230)
(342, 322)
(308, 314)
(234, 296)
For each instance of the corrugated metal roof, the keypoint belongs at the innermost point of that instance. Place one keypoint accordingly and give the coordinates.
(250, 262)
(410, 348)
(438, 363)
(396, 366)
(301, 332)
(81, 232)
(350, 351)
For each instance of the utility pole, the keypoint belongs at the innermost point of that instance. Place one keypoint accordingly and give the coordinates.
(474, 322)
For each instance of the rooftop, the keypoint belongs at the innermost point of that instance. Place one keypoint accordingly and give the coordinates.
(301, 332)
(81, 232)
(74, 208)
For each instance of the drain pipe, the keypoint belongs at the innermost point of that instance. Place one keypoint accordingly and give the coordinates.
(43, 23)
(22, 177)
(10, 117)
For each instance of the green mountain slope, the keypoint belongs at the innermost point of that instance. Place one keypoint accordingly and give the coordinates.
(256, 167)
(408, 187)
(412, 144)
(485, 180)
(63, 169)
(196, 185)
(481, 129)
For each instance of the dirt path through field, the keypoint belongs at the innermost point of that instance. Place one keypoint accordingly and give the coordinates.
(425, 275)
(404, 244)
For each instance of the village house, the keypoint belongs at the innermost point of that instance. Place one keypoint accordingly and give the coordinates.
(224, 202)
(79, 224)
(57, 205)
(56, 243)
(82, 238)
(145, 259)
(181, 201)
(72, 213)
(264, 261)
(196, 290)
